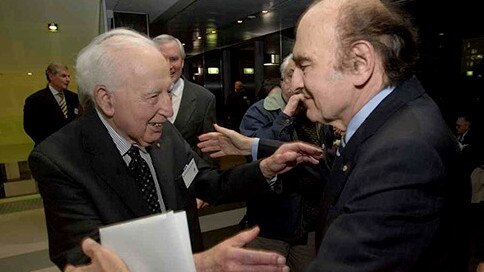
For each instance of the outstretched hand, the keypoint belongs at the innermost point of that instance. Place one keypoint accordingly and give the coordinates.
(224, 142)
(288, 156)
(231, 256)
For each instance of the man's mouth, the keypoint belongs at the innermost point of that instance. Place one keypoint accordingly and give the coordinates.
(156, 124)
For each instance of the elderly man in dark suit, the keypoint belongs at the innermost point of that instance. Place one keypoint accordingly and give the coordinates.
(51, 108)
(193, 105)
(396, 199)
(120, 160)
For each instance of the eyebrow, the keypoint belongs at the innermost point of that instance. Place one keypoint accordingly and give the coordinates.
(300, 58)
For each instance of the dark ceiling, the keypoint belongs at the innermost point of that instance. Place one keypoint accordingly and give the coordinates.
(215, 21)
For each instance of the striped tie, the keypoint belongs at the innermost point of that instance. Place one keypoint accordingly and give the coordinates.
(62, 104)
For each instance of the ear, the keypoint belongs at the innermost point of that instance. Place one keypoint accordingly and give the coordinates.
(104, 100)
(362, 62)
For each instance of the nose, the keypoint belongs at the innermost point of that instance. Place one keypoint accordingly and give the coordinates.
(165, 105)
(297, 83)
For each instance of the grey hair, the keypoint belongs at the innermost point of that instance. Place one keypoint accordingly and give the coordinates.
(284, 64)
(53, 69)
(97, 65)
(165, 38)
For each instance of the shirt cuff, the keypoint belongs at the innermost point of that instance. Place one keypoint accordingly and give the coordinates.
(255, 148)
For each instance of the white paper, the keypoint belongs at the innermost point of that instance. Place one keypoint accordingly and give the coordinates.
(155, 243)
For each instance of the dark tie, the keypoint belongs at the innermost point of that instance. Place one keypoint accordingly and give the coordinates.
(141, 172)
(62, 103)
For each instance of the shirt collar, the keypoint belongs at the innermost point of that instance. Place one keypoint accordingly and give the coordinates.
(53, 90)
(178, 87)
(365, 111)
(121, 143)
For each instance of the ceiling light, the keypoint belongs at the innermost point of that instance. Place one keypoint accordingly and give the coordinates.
(53, 27)
(239, 21)
(183, 44)
(29, 73)
(199, 37)
(214, 31)
(265, 11)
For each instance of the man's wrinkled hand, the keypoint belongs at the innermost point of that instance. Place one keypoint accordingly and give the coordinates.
(230, 255)
(288, 156)
(224, 142)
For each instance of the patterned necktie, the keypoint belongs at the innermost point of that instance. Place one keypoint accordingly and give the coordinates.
(139, 169)
(62, 103)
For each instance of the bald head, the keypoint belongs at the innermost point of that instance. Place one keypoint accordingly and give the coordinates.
(386, 28)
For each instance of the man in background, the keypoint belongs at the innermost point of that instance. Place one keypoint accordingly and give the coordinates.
(237, 104)
(193, 105)
(51, 108)
(287, 220)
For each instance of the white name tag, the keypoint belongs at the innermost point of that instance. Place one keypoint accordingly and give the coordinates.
(190, 172)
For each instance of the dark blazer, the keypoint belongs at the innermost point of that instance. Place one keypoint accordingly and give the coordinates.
(43, 116)
(197, 112)
(396, 198)
(84, 183)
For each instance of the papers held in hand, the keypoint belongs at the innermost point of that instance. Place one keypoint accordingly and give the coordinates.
(155, 243)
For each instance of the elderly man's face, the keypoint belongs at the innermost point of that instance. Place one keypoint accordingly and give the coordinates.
(142, 103)
(60, 80)
(172, 53)
(328, 94)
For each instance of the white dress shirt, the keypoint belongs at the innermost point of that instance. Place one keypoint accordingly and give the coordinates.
(176, 96)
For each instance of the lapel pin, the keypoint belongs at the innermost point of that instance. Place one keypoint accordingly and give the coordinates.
(158, 145)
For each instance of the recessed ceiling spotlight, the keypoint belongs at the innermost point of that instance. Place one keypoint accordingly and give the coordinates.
(239, 21)
(53, 27)
(199, 37)
(214, 31)
(183, 44)
(29, 73)
(265, 11)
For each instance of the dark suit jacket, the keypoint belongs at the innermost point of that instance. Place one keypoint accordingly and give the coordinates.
(197, 112)
(396, 199)
(84, 183)
(43, 116)
(396, 196)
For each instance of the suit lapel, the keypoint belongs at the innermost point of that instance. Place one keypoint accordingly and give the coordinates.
(163, 165)
(188, 105)
(108, 164)
(51, 103)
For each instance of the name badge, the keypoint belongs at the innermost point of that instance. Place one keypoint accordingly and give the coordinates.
(190, 171)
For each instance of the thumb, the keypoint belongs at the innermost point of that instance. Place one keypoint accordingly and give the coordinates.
(89, 246)
(245, 237)
(221, 129)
